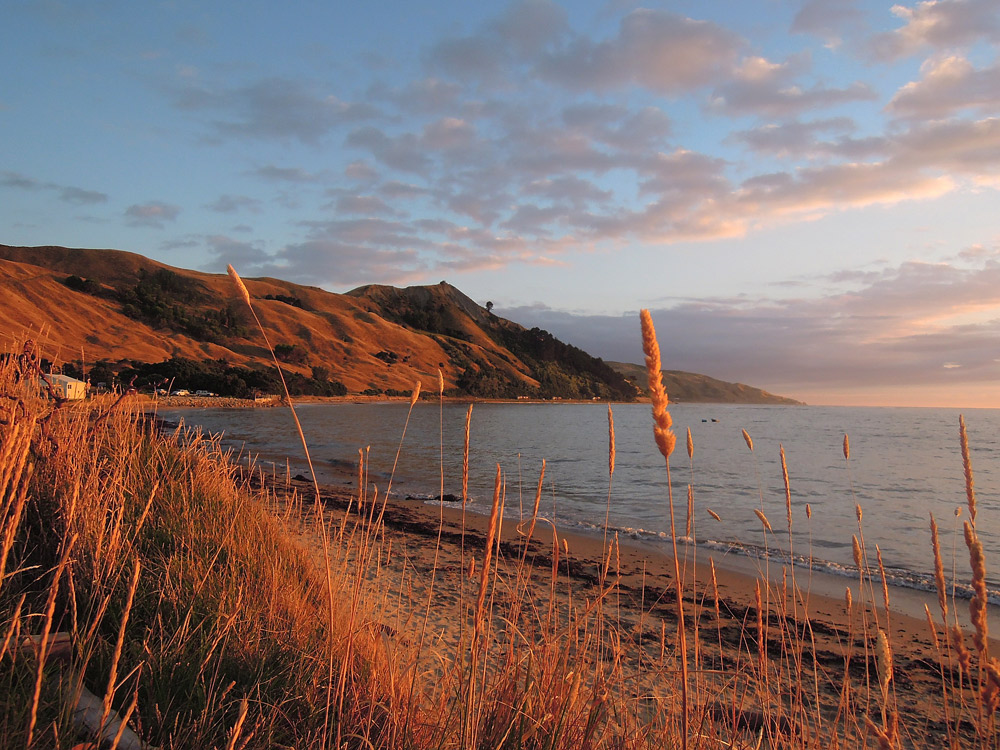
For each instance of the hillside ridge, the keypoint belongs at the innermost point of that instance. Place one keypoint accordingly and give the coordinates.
(121, 315)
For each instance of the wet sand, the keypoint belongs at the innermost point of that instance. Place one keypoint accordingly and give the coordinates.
(639, 604)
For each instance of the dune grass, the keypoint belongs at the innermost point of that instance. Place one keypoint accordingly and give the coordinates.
(164, 577)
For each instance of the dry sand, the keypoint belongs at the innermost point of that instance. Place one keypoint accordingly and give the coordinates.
(640, 607)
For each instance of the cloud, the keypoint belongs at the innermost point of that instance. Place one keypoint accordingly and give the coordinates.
(368, 205)
(227, 204)
(654, 49)
(67, 193)
(969, 147)
(908, 325)
(272, 108)
(948, 85)
(518, 35)
(938, 24)
(760, 87)
(151, 214)
(274, 173)
(361, 171)
(81, 197)
(19, 181)
(647, 129)
(828, 19)
(657, 50)
(404, 152)
(341, 263)
(797, 139)
(423, 96)
(228, 251)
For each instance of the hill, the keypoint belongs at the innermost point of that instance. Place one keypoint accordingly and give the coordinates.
(118, 315)
(121, 315)
(689, 387)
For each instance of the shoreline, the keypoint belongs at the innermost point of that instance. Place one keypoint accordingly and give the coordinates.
(644, 592)
(904, 600)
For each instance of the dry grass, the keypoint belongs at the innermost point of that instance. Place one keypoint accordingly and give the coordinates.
(164, 576)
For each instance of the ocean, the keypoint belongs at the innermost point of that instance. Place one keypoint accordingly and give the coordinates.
(905, 464)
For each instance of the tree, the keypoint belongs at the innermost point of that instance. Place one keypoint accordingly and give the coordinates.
(489, 307)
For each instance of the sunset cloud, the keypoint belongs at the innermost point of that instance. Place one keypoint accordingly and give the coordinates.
(939, 24)
(948, 85)
(908, 325)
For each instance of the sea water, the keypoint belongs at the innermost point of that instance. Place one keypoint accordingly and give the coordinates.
(904, 465)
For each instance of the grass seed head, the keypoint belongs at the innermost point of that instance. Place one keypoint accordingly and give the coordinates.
(763, 519)
(240, 286)
(664, 436)
(970, 485)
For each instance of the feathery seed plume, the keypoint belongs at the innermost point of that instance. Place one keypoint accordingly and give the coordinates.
(748, 440)
(713, 514)
(939, 580)
(970, 485)
(978, 602)
(883, 657)
(847, 448)
(788, 489)
(690, 445)
(763, 519)
(931, 627)
(415, 395)
(958, 644)
(488, 553)
(665, 438)
(240, 286)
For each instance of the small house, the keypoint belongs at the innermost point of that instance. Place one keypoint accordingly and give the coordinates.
(67, 387)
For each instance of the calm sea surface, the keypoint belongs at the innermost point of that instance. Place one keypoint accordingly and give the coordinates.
(905, 464)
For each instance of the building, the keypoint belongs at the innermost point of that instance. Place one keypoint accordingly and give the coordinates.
(67, 387)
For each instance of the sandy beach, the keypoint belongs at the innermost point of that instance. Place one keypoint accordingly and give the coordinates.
(422, 593)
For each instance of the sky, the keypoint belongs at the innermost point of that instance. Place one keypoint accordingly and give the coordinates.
(804, 193)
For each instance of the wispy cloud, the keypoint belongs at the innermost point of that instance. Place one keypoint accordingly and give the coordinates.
(152, 214)
(66, 193)
(284, 108)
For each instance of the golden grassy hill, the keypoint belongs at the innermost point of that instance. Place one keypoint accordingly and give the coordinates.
(86, 306)
(112, 305)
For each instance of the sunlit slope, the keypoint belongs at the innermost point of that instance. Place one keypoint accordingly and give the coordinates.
(114, 305)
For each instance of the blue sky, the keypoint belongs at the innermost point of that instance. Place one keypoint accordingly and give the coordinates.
(805, 194)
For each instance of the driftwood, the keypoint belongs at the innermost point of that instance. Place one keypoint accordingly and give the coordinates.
(89, 708)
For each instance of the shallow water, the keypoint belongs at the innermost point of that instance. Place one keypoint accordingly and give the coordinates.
(904, 465)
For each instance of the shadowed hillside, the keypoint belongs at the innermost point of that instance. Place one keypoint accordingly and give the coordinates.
(689, 387)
